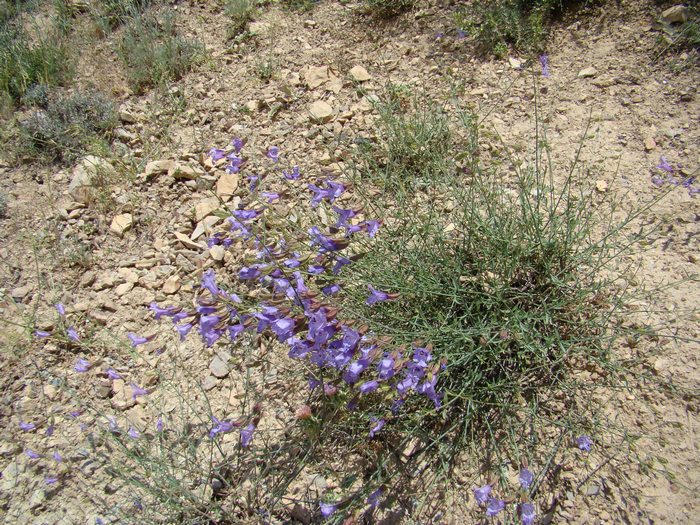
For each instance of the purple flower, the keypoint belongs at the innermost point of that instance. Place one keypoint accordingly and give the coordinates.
(26, 426)
(343, 216)
(527, 513)
(209, 282)
(376, 296)
(665, 166)
(328, 509)
(373, 499)
(216, 154)
(159, 424)
(526, 478)
(220, 427)
(544, 62)
(237, 144)
(386, 367)
(584, 443)
(494, 506)
(461, 34)
(293, 175)
(75, 413)
(248, 273)
(247, 435)
(137, 391)
(49, 430)
(273, 153)
(82, 365)
(339, 263)
(481, 494)
(316, 269)
(270, 196)
(137, 340)
(183, 330)
(133, 433)
(61, 309)
(331, 289)
(283, 328)
(245, 215)
(50, 480)
(235, 164)
(159, 312)
(72, 334)
(379, 424)
(254, 181)
(31, 454)
(41, 334)
(113, 374)
(372, 227)
(57, 457)
(369, 386)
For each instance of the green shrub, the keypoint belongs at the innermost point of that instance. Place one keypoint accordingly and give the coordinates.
(238, 14)
(24, 63)
(387, 8)
(70, 125)
(154, 53)
(114, 13)
(506, 276)
(497, 24)
(11, 8)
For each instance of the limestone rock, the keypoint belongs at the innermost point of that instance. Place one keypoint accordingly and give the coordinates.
(321, 111)
(171, 285)
(122, 224)
(226, 185)
(588, 72)
(81, 186)
(678, 14)
(158, 167)
(218, 367)
(189, 243)
(217, 252)
(185, 172)
(205, 207)
(316, 76)
(360, 74)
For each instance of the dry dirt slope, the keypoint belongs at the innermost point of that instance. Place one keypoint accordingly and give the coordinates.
(639, 110)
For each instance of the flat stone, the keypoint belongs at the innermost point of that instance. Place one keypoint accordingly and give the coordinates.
(226, 185)
(158, 167)
(171, 285)
(205, 226)
(121, 400)
(217, 252)
(209, 382)
(360, 74)
(321, 111)
(649, 144)
(127, 117)
(123, 289)
(588, 72)
(316, 76)
(218, 367)
(185, 172)
(189, 243)
(678, 14)
(121, 224)
(21, 292)
(81, 186)
(205, 207)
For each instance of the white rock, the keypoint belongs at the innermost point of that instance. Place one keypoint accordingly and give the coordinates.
(588, 72)
(171, 285)
(678, 14)
(316, 76)
(121, 224)
(205, 207)
(321, 111)
(81, 186)
(360, 74)
(218, 367)
(217, 252)
(158, 167)
(226, 185)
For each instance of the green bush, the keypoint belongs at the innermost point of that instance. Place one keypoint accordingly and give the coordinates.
(24, 63)
(497, 24)
(387, 8)
(70, 125)
(238, 14)
(507, 276)
(113, 13)
(154, 53)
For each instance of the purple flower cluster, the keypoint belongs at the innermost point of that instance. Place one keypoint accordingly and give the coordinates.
(484, 498)
(666, 174)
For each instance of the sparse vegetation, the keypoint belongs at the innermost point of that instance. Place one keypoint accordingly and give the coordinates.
(154, 53)
(111, 14)
(239, 13)
(387, 8)
(70, 125)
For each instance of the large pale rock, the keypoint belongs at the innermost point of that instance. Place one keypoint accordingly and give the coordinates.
(185, 172)
(321, 111)
(226, 185)
(158, 167)
(316, 76)
(359, 74)
(218, 367)
(588, 72)
(205, 207)
(85, 174)
(122, 224)
(171, 285)
(678, 14)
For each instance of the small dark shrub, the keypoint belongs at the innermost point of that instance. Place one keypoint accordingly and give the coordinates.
(70, 125)
(387, 8)
(238, 14)
(36, 96)
(113, 13)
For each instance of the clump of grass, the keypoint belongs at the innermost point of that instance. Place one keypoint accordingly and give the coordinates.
(414, 144)
(238, 13)
(387, 8)
(3, 205)
(113, 13)
(507, 278)
(24, 63)
(70, 125)
(11, 8)
(496, 25)
(154, 53)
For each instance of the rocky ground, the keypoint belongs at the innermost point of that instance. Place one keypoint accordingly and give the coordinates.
(109, 236)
